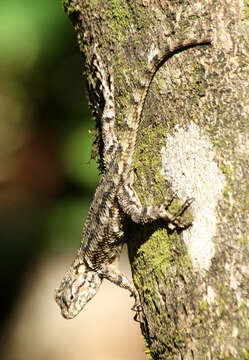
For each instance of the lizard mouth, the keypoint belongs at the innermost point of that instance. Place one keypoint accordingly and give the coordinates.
(65, 310)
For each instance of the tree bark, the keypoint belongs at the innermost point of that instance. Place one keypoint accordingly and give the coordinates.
(193, 141)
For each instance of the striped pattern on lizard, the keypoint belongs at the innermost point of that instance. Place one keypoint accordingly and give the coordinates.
(115, 199)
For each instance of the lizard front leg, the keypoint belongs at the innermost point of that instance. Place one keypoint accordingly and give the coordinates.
(111, 273)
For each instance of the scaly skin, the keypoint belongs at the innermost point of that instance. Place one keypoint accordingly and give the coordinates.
(114, 200)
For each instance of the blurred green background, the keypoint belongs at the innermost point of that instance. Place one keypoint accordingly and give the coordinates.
(47, 180)
(46, 176)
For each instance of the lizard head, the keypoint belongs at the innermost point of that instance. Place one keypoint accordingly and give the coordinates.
(78, 286)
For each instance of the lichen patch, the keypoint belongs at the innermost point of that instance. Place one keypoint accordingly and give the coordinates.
(188, 163)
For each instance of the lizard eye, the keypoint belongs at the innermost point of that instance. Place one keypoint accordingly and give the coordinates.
(71, 297)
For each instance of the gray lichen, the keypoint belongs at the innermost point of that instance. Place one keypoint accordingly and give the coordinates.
(188, 163)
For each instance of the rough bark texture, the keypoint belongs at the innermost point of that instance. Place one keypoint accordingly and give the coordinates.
(193, 141)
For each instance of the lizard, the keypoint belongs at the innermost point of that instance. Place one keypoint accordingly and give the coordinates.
(115, 199)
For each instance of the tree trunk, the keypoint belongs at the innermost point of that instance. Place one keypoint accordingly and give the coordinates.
(193, 141)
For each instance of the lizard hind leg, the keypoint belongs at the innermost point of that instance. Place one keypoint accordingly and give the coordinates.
(131, 206)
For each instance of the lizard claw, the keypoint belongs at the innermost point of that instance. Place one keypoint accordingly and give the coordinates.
(137, 307)
(139, 313)
(177, 220)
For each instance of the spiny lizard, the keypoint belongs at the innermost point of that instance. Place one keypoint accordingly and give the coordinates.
(114, 200)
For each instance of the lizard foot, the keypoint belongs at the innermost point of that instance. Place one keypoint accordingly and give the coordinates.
(140, 316)
(177, 221)
(137, 307)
